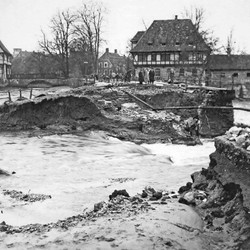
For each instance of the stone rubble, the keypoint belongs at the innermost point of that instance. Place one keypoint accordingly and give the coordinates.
(20, 196)
(240, 136)
(119, 203)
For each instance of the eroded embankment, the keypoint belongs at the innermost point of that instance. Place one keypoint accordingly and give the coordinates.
(221, 193)
(213, 122)
(232, 159)
(92, 109)
(106, 109)
(44, 111)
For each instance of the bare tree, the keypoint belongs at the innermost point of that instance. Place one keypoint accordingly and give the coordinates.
(61, 37)
(44, 63)
(197, 15)
(230, 46)
(88, 30)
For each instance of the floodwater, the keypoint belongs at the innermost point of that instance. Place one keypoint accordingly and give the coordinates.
(78, 171)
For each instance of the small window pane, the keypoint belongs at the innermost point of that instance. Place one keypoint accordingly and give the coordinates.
(182, 72)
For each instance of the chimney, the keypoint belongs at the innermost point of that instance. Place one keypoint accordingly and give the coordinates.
(176, 17)
(115, 51)
(107, 50)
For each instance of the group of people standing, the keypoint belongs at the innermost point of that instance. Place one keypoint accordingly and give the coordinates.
(147, 76)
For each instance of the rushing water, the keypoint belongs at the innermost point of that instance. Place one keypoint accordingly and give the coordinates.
(78, 171)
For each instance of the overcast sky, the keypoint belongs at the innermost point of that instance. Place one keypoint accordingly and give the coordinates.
(21, 21)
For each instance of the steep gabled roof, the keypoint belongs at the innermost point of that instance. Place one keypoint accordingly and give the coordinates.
(229, 62)
(170, 35)
(137, 36)
(4, 48)
(114, 58)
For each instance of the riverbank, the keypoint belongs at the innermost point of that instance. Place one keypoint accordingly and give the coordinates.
(220, 193)
(152, 218)
(138, 222)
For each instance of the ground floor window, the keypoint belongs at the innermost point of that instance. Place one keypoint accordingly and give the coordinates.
(182, 71)
(248, 74)
(235, 75)
(194, 72)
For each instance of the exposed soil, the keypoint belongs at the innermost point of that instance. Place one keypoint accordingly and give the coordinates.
(94, 109)
(220, 194)
(210, 214)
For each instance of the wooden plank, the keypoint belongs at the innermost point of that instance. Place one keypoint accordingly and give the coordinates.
(140, 100)
(206, 107)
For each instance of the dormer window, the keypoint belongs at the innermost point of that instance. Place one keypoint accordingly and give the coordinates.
(150, 42)
(163, 41)
(177, 41)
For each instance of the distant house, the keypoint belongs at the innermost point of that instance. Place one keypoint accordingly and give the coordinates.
(112, 62)
(5, 62)
(173, 48)
(231, 71)
(228, 68)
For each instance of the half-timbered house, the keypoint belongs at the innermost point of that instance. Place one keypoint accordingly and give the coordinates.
(5, 62)
(173, 48)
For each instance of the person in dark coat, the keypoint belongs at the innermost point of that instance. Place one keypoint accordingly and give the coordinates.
(141, 78)
(151, 76)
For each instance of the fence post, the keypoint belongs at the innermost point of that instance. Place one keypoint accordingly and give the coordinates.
(20, 91)
(31, 93)
(9, 96)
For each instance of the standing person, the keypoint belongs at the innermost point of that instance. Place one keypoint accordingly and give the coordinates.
(146, 75)
(151, 76)
(117, 78)
(113, 74)
(141, 78)
(172, 76)
(128, 76)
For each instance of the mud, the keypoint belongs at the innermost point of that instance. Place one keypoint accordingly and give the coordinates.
(123, 222)
(112, 110)
(92, 109)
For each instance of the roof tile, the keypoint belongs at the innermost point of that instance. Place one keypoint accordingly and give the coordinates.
(163, 35)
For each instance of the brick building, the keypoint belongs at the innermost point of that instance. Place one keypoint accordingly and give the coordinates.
(112, 62)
